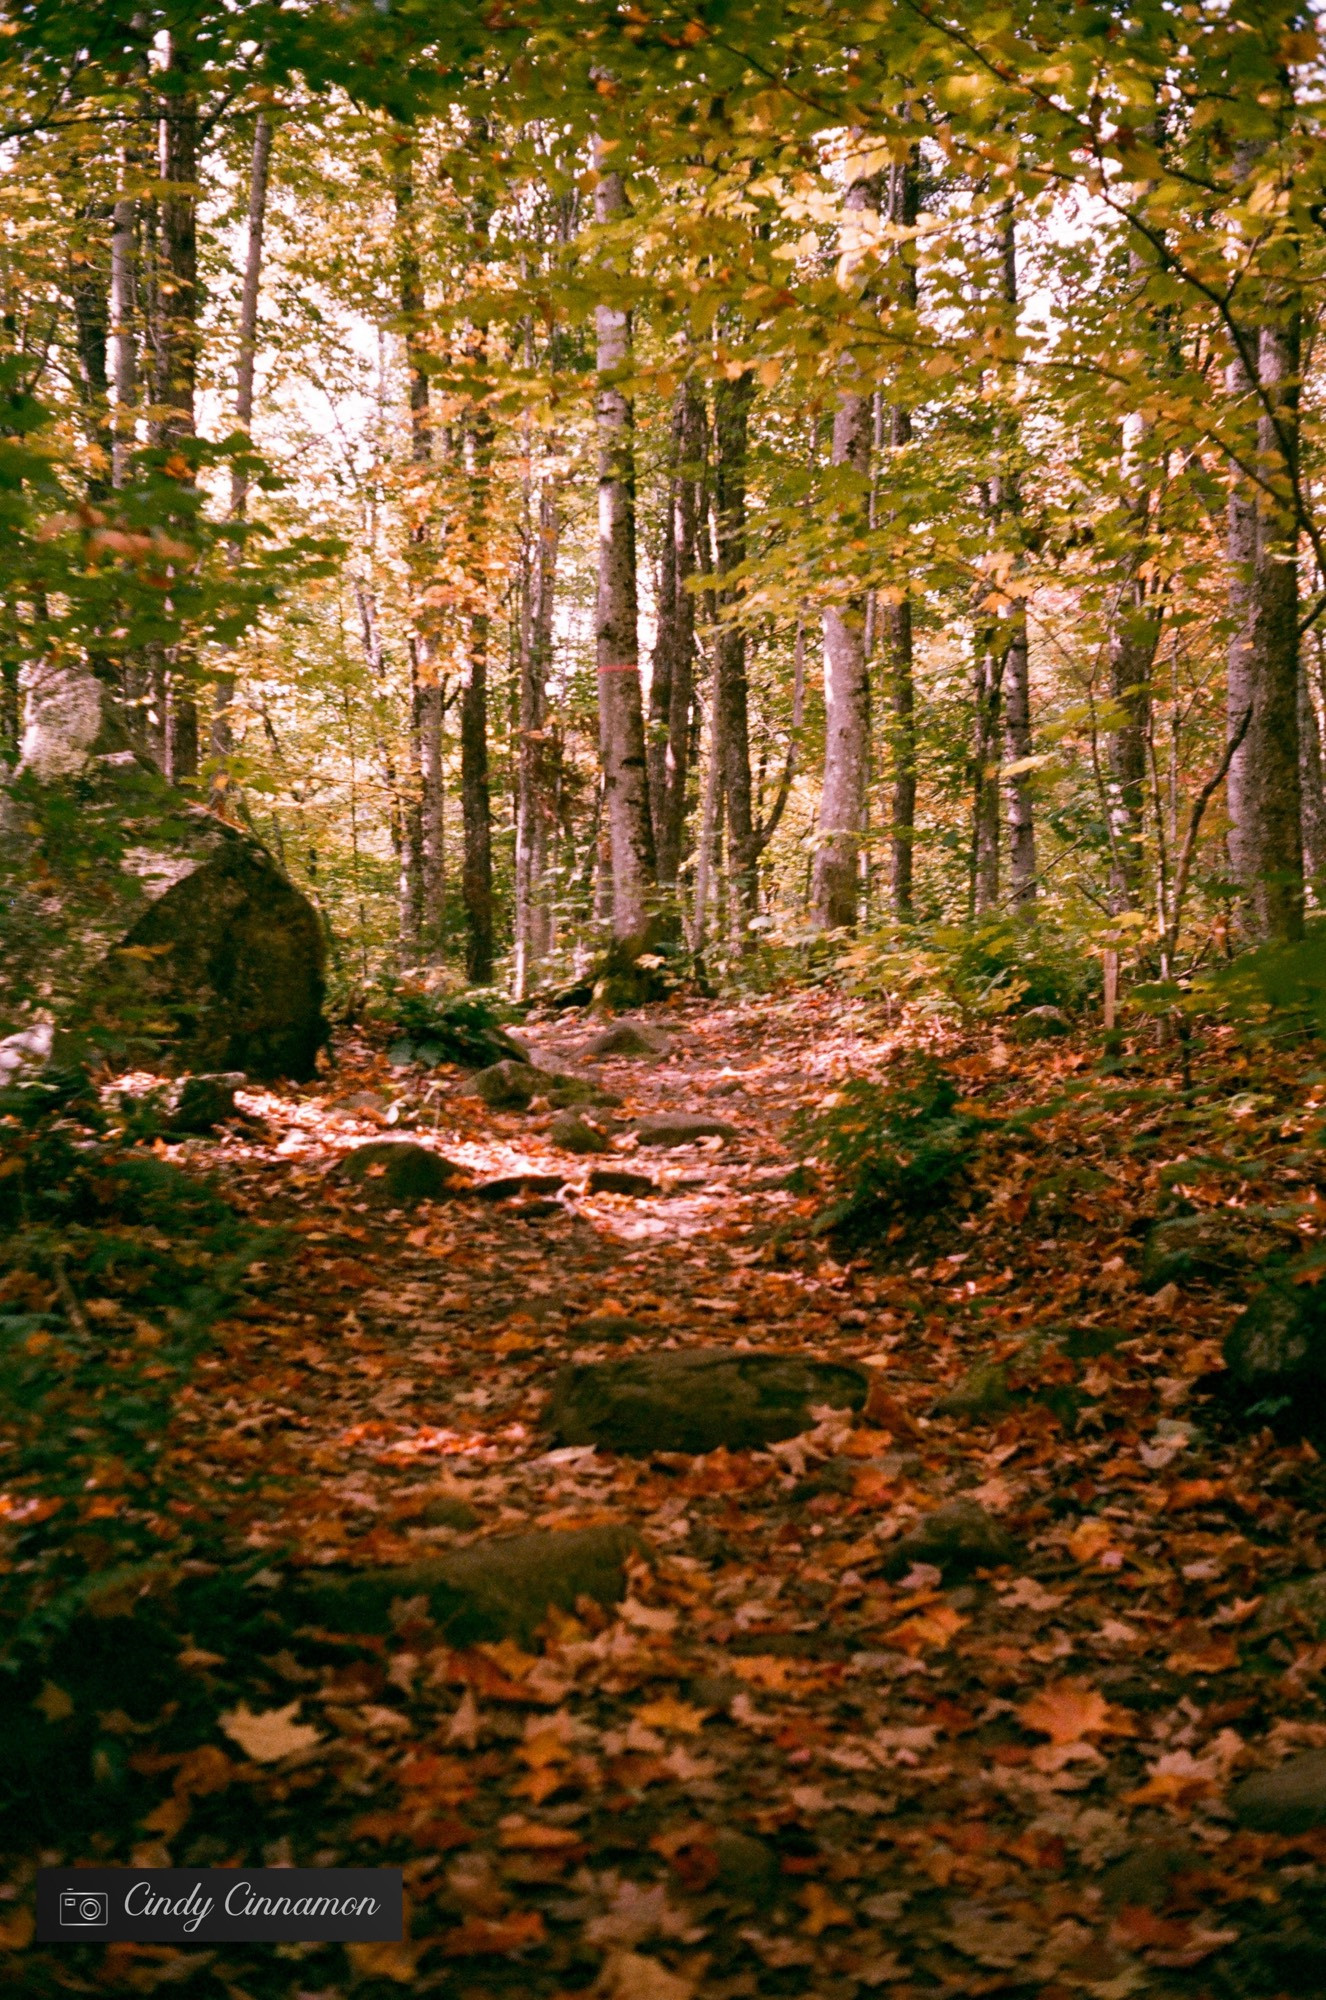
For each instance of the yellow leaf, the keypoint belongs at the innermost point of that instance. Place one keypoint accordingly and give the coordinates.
(669, 1713)
(629, 1975)
(1090, 1539)
(822, 1912)
(168, 1817)
(16, 1931)
(763, 1670)
(268, 1737)
(395, 1959)
(54, 1703)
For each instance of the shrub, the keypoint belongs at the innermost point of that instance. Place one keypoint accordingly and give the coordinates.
(896, 1149)
(461, 1028)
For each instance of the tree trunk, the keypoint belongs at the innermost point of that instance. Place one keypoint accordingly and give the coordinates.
(732, 401)
(1134, 636)
(834, 890)
(896, 612)
(476, 811)
(123, 346)
(1312, 790)
(177, 340)
(222, 738)
(90, 290)
(673, 722)
(534, 802)
(1266, 832)
(1016, 686)
(988, 694)
(621, 720)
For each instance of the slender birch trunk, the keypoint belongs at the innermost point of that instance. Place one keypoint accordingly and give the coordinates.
(221, 743)
(834, 889)
(534, 803)
(732, 402)
(177, 342)
(896, 610)
(1017, 688)
(621, 719)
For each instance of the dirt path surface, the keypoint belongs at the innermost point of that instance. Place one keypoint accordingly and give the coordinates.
(822, 1737)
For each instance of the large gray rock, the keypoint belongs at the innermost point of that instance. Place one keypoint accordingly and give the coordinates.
(680, 1128)
(1291, 1799)
(698, 1400)
(619, 1180)
(497, 1589)
(201, 1103)
(1041, 1024)
(1297, 1608)
(567, 1091)
(399, 1172)
(626, 1038)
(1211, 1246)
(574, 1134)
(156, 934)
(960, 1535)
(1275, 1354)
(509, 1086)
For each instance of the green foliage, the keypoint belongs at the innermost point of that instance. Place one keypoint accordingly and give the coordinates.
(115, 1265)
(1275, 993)
(896, 1149)
(463, 1028)
(979, 970)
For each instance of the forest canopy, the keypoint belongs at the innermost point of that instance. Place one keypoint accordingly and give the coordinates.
(716, 477)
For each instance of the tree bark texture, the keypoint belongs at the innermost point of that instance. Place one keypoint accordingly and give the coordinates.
(176, 340)
(535, 803)
(1313, 791)
(988, 701)
(222, 737)
(1016, 683)
(1266, 837)
(732, 401)
(834, 885)
(476, 812)
(671, 718)
(896, 615)
(621, 718)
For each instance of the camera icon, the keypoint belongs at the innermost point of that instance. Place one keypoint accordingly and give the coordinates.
(84, 1909)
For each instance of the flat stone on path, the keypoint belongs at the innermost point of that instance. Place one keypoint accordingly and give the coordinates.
(627, 1039)
(616, 1180)
(501, 1588)
(1291, 1799)
(398, 1170)
(574, 1134)
(680, 1128)
(960, 1535)
(507, 1186)
(509, 1086)
(696, 1401)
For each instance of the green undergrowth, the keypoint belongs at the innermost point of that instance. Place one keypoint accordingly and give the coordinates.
(114, 1267)
(894, 1150)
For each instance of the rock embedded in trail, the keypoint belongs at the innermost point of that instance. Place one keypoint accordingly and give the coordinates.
(1275, 1358)
(399, 1171)
(1183, 1247)
(574, 1134)
(201, 1103)
(680, 1128)
(1041, 1024)
(568, 1091)
(698, 1401)
(501, 1588)
(509, 1086)
(1291, 1799)
(507, 1186)
(960, 1535)
(627, 1038)
(616, 1180)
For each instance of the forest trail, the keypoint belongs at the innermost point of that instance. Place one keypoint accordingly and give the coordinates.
(811, 1751)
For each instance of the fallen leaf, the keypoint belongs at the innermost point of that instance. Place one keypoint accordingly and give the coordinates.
(1066, 1712)
(628, 1975)
(823, 1912)
(395, 1958)
(480, 1937)
(669, 1713)
(273, 1734)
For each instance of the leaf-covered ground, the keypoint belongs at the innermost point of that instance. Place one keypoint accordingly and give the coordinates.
(778, 1767)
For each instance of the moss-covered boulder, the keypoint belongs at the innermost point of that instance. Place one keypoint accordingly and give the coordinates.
(681, 1128)
(497, 1589)
(574, 1134)
(958, 1536)
(155, 933)
(399, 1172)
(697, 1401)
(628, 1038)
(1275, 1358)
(1208, 1247)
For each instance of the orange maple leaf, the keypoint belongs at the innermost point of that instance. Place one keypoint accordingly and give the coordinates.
(1066, 1711)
